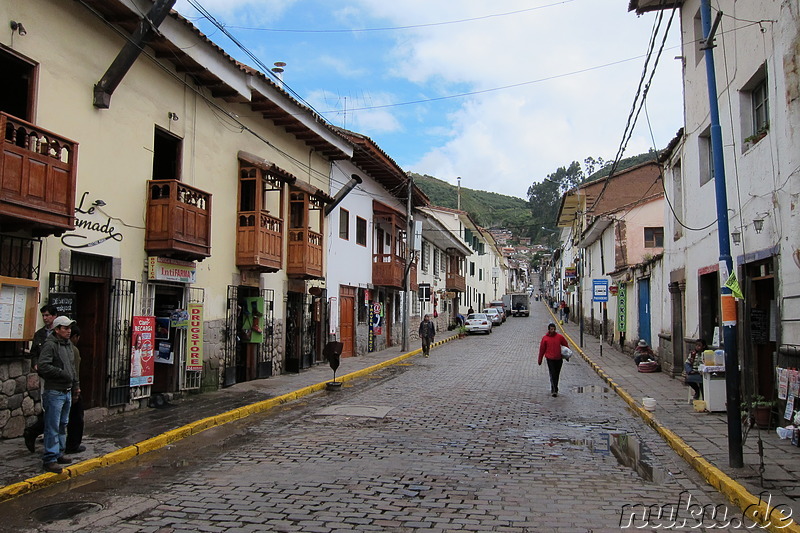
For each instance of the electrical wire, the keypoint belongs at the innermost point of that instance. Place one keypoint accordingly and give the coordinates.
(409, 27)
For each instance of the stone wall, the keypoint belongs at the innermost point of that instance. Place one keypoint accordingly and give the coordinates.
(20, 401)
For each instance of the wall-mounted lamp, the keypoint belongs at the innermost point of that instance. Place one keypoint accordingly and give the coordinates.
(736, 236)
(98, 203)
(758, 224)
(18, 27)
(173, 116)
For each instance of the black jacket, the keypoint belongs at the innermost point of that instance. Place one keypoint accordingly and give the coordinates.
(427, 330)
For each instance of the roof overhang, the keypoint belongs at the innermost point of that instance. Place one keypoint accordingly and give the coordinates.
(570, 206)
(436, 233)
(594, 231)
(642, 6)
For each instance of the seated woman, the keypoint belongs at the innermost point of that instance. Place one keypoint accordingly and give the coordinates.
(692, 368)
(643, 353)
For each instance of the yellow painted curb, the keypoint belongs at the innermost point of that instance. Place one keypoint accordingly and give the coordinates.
(752, 506)
(193, 428)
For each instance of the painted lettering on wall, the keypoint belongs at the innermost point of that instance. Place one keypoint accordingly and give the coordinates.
(89, 228)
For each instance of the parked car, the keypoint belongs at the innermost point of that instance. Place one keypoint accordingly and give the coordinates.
(478, 322)
(501, 308)
(494, 315)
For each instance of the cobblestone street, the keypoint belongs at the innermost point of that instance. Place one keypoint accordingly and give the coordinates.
(469, 439)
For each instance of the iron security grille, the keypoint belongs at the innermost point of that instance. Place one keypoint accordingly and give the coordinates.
(266, 350)
(20, 257)
(119, 341)
(231, 337)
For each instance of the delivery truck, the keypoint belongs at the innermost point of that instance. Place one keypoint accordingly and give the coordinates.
(518, 303)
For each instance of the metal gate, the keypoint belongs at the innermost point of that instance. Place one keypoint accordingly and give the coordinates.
(190, 379)
(266, 350)
(119, 343)
(231, 337)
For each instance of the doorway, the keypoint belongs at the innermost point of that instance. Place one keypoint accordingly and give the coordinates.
(347, 329)
(760, 340)
(91, 315)
(643, 290)
(168, 299)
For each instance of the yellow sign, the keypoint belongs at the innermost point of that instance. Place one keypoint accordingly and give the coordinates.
(733, 285)
(194, 341)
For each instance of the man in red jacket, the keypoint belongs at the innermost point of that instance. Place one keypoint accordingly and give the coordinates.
(550, 348)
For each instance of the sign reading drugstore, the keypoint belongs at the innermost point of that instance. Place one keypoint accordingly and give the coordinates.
(90, 225)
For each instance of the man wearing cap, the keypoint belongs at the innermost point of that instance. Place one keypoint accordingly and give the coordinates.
(57, 367)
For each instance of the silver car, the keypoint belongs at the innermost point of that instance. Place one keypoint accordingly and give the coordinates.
(494, 314)
(478, 322)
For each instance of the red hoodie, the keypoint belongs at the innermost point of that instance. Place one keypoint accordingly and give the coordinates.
(550, 346)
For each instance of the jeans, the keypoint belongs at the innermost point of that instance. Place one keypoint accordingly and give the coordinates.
(75, 426)
(56, 406)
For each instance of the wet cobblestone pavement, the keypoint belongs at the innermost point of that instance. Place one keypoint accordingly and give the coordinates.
(469, 439)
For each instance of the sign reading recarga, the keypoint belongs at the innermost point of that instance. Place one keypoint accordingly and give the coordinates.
(194, 341)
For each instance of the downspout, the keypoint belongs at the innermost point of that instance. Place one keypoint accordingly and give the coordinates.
(355, 179)
(144, 33)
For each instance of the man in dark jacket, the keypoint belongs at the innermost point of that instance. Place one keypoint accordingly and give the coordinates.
(427, 331)
(49, 313)
(56, 365)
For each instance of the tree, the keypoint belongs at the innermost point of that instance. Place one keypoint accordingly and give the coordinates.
(544, 200)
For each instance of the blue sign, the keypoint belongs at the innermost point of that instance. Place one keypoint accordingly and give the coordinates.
(600, 290)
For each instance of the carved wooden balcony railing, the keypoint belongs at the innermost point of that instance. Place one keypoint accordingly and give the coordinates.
(37, 178)
(413, 277)
(455, 282)
(305, 254)
(388, 270)
(178, 221)
(259, 241)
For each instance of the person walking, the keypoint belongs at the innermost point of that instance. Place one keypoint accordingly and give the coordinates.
(56, 365)
(427, 331)
(550, 349)
(566, 313)
(49, 313)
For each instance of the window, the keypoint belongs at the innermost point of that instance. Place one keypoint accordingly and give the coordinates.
(19, 86)
(344, 224)
(361, 305)
(166, 156)
(472, 268)
(361, 231)
(760, 100)
(706, 158)
(424, 292)
(426, 256)
(435, 261)
(653, 237)
(480, 274)
(754, 102)
(677, 198)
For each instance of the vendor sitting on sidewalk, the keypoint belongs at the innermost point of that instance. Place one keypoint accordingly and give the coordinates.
(644, 358)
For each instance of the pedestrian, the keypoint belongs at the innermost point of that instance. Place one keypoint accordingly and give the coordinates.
(49, 313)
(56, 365)
(470, 310)
(566, 313)
(75, 425)
(692, 368)
(550, 349)
(561, 305)
(427, 331)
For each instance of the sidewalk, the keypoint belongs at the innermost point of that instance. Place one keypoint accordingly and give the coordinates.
(701, 438)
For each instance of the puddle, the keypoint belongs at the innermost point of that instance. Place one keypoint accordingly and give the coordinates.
(591, 388)
(630, 452)
(64, 511)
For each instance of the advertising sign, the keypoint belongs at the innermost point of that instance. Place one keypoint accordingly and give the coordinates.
(622, 308)
(166, 269)
(194, 341)
(142, 338)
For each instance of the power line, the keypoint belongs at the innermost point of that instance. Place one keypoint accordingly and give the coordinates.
(396, 28)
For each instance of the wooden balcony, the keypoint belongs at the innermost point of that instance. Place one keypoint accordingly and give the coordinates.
(259, 242)
(455, 282)
(388, 270)
(37, 178)
(178, 221)
(305, 254)
(413, 278)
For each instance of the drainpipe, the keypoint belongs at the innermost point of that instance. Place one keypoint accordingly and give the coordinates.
(727, 303)
(144, 33)
(349, 186)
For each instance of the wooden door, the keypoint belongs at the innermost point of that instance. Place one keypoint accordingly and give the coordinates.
(91, 315)
(347, 306)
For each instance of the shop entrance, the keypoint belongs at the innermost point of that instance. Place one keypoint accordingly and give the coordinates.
(250, 330)
(169, 343)
(760, 317)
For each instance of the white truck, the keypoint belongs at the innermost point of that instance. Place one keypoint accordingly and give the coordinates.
(518, 303)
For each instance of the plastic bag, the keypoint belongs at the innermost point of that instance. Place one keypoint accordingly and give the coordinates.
(566, 353)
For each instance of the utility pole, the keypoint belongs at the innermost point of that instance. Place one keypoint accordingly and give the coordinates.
(458, 194)
(407, 277)
(727, 301)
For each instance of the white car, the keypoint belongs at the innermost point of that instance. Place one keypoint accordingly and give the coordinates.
(494, 315)
(478, 322)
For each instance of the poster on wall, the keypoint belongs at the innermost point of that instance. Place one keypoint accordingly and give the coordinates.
(194, 340)
(179, 319)
(162, 328)
(142, 338)
(252, 317)
(377, 318)
(165, 355)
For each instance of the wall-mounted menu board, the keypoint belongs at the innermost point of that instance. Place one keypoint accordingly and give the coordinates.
(18, 301)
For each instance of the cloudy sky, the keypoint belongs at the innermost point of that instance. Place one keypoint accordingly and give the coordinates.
(500, 93)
